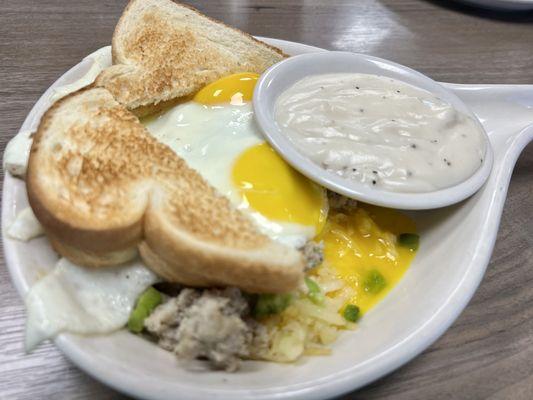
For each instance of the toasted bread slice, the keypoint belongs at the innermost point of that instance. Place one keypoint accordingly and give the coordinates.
(163, 50)
(101, 185)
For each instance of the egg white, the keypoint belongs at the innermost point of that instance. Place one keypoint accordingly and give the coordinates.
(210, 139)
(83, 300)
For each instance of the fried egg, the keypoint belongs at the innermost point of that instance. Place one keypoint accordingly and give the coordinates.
(216, 134)
(83, 300)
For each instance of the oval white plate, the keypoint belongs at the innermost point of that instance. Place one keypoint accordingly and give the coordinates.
(456, 246)
(283, 75)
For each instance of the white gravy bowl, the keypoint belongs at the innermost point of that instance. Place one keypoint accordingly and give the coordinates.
(283, 75)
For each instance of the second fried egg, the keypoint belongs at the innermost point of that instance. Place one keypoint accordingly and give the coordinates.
(217, 136)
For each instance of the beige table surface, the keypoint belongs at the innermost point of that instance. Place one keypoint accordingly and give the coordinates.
(488, 352)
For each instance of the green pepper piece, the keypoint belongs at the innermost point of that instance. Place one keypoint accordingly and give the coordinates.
(268, 304)
(351, 313)
(374, 282)
(314, 292)
(409, 240)
(146, 303)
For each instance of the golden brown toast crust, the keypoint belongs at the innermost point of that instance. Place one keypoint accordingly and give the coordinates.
(158, 57)
(101, 184)
(124, 15)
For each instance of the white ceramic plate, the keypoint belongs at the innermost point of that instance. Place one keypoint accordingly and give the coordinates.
(456, 244)
(507, 5)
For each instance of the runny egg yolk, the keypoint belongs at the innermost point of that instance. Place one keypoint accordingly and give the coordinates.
(234, 89)
(362, 249)
(267, 184)
(276, 190)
